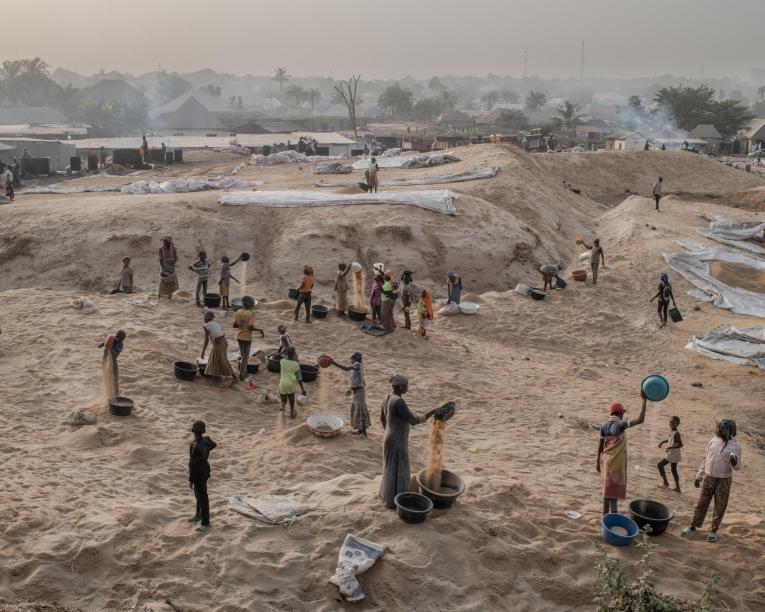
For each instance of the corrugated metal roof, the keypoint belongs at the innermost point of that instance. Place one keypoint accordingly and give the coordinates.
(30, 114)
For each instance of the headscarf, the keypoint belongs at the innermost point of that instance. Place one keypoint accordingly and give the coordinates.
(616, 408)
(427, 300)
(727, 429)
(665, 278)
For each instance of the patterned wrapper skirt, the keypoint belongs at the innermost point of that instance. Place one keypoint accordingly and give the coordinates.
(359, 412)
(218, 364)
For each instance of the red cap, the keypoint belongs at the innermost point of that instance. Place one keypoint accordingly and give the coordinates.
(616, 408)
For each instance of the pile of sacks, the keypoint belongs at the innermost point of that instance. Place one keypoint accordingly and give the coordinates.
(332, 168)
(428, 161)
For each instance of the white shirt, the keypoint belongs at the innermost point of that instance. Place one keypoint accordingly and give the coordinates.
(214, 329)
(657, 188)
(717, 461)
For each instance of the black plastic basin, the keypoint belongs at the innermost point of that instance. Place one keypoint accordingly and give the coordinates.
(121, 406)
(273, 363)
(185, 370)
(309, 373)
(450, 489)
(293, 294)
(318, 311)
(356, 315)
(212, 300)
(412, 508)
(653, 513)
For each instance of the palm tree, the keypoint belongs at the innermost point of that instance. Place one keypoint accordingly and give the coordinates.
(35, 66)
(313, 96)
(298, 93)
(11, 69)
(396, 101)
(568, 115)
(535, 100)
(490, 99)
(280, 75)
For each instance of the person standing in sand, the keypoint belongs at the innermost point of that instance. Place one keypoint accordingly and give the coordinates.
(407, 297)
(304, 293)
(715, 478)
(425, 314)
(674, 443)
(199, 474)
(341, 289)
(596, 255)
(388, 300)
(285, 342)
(397, 419)
(243, 323)
(359, 412)
(125, 284)
(372, 172)
(453, 288)
(612, 455)
(218, 364)
(202, 269)
(224, 284)
(375, 299)
(113, 346)
(657, 189)
(665, 295)
(289, 379)
(168, 257)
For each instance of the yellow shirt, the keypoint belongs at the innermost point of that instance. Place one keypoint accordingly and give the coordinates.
(243, 319)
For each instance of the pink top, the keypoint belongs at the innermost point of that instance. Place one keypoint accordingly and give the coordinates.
(717, 461)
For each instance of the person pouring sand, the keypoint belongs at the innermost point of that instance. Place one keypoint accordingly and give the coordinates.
(396, 419)
(112, 346)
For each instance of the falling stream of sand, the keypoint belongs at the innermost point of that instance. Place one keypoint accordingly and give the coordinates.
(358, 290)
(435, 455)
(324, 391)
(108, 374)
(243, 280)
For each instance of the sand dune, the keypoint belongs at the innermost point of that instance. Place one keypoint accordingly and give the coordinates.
(95, 517)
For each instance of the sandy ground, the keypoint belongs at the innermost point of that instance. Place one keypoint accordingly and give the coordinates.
(95, 516)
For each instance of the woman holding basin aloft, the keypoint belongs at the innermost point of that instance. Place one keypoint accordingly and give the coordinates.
(612, 449)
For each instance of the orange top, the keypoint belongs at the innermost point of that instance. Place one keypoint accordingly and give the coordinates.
(306, 284)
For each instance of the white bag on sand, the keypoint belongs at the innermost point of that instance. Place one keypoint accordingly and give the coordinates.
(523, 289)
(450, 309)
(584, 256)
(272, 509)
(357, 555)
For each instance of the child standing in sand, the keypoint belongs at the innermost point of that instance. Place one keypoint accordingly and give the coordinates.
(202, 268)
(199, 474)
(674, 443)
(425, 313)
(224, 284)
(126, 277)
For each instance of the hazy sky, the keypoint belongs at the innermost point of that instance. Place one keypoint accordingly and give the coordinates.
(393, 38)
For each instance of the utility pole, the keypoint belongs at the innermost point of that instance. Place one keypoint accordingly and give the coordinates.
(525, 63)
(581, 64)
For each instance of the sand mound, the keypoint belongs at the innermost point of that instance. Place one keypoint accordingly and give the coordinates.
(738, 275)
(751, 199)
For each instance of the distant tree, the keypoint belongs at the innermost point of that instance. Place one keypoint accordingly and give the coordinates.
(448, 99)
(313, 97)
(214, 90)
(347, 92)
(396, 101)
(569, 116)
(688, 106)
(635, 103)
(428, 109)
(35, 66)
(489, 99)
(435, 84)
(135, 115)
(281, 77)
(514, 120)
(27, 82)
(760, 91)
(508, 96)
(172, 85)
(758, 108)
(68, 100)
(236, 102)
(729, 116)
(297, 93)
(535, 100)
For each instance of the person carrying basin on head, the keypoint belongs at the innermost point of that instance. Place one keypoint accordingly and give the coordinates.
(611, 462)
(397, 419)
(243, 323)
(665, 295)
(304, 293)
(715, 477)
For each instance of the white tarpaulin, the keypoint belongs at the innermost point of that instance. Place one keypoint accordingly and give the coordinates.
(741, 346)
(288, 157)
(694, 266)
(408, 160)
(735, 234)
(272, 509)
(438, 200)
(63, 188)
(457, 177)
(179, 185)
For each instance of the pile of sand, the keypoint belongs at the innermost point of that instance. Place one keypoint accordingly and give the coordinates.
(738, 275)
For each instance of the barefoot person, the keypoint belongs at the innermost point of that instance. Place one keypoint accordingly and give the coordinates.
(657, 189)
(674, 443)
(289, 380)
(224, 282)
(407, 297)
(202, 269)
(359, 412)
(304, 293)
(168, 257)
(218, 364)
(371, 173)
(665, 295)
(715, 477)
(125, 284)
(243, 323)
(113, 346)
(285, 341)
(375, 299)
(397, 419)
(550, 274)
(596, 255)
(612, 455)
(425, 313)
(389, 296)
(199, 474)
(341, 289)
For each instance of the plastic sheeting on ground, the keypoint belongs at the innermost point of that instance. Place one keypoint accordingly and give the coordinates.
(63, 188)
(408, 160)
(437, 200)
(288, 157)
(179, 185)
(272, 509)
(457, 177)
(741, 346)
(694, 266)
(332, 168)
(734, 234)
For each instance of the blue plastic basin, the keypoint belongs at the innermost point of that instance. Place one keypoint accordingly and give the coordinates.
(655, 387)
(614, 519)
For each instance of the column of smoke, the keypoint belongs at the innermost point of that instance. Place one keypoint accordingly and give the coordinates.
(359, 278)
(435, 455)
(108, 374)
